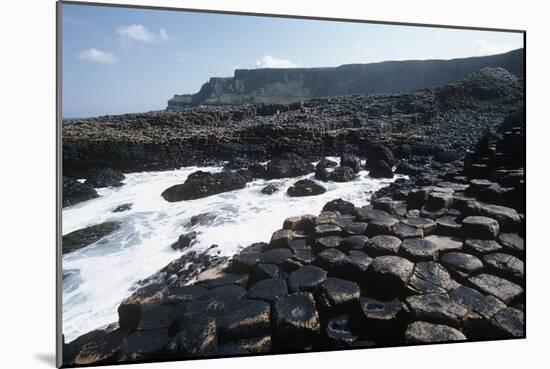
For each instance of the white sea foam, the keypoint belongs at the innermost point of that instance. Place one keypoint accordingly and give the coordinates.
(100, 276)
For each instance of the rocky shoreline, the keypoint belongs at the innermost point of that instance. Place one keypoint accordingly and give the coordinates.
(436, 258)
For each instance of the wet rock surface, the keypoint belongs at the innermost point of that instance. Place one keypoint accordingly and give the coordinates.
(87, 236)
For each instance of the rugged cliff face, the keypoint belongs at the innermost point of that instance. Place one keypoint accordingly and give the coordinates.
(286, 85)
(451, 117)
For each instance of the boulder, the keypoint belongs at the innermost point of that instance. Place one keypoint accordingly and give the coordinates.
(424, 332)
(381, 169)
(269, 189)
(327, 229)
(326, 163)
(350, 161)
(510, 322)
(383, 203)
(377, 153)
(328, 242)
(507, 218)
(184, 241)
(355, 228)
(202, 184)
(405, 231)
(448, 226)
(330, 259)
(355, 265)
(305, 187)
(444, 243)
(123, 207)
(87, 236)
(480, 227)
(75, 192)
(342, 174)
(427, 226)
(513, 242)
(342, 206)
(288, 165)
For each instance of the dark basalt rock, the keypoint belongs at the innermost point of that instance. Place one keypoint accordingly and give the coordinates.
(337, 295)
(330, 259)
(295, 316)
(328, 242)
(480, 247)
(305, 187)
(380, 226)
(123, 207)
(203, 219)
(502, 289)
(430, 277)
(486, 306)
(306, 279)
(197, 339)
(355, 242)
(448, 226)
(270, 189)
(355, 228)
(383, 203)
(444, 243)
(428, 226)
(105, 177)
(338, 332)
(350, 161)
(281, 238)
(391, 273)
(249, 318)
(276, 256)
(380, 169)
(202, 184)
(256, 345)
(101, 350)
(507, 218)
(75, 192)
(506, 265)
(461, 263)
(480, 227)
(342, 206)
(437, 308)
(342, 174)
(355, 265)
(510, 322)
(419, 249)
(326, 163)
(229, 279)
(512, 241)
(143, 345)
(327, 229)
(143, 300)
(383, 245)
(87, 236)
(376, 153)
(268, 290)
(257, 171)
(382, 320)
(186, 294)
(288, 165)
(368, 214)
(424, 332)
(322, 174)
(405, 231)
(184, 241)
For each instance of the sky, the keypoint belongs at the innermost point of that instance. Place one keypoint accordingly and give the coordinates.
(126, 60)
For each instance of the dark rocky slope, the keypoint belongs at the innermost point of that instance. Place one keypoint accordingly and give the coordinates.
(284, 85)
(443, 121)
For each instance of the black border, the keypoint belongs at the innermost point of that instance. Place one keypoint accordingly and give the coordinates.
(59, 333)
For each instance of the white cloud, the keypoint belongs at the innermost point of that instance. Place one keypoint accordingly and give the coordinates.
(483, 47)
(164, 35)
(139, 33)
(270, 62)
(97, 56)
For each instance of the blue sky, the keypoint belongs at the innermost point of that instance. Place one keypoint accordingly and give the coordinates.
(123, 60)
